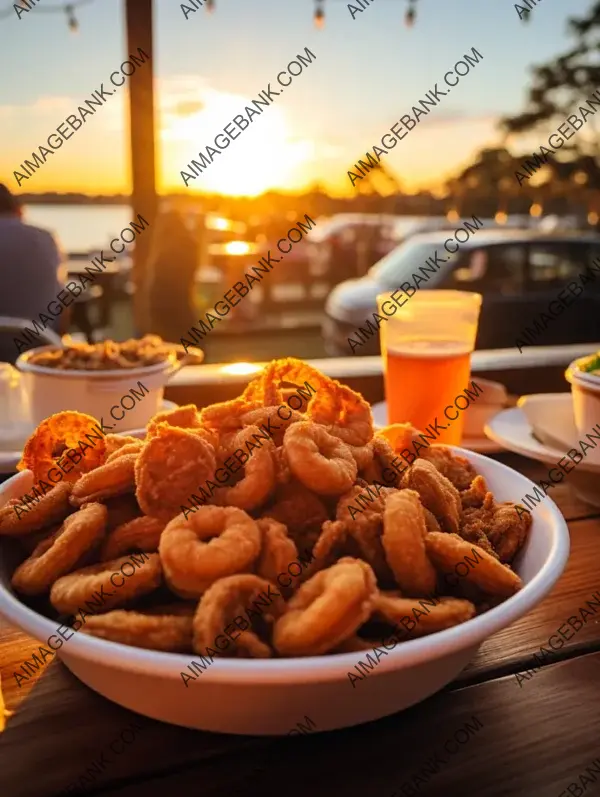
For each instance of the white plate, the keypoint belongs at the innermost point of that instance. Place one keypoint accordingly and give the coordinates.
(10, 459)
(512, 430)
(482, 444)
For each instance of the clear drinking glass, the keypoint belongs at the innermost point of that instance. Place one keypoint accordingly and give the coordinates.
(15, 419)
(426, 344)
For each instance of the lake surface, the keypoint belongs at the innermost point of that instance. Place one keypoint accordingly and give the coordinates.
(80, 228)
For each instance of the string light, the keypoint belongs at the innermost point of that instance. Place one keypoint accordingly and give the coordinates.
(411, 13)
(67, 8)
(319, 16)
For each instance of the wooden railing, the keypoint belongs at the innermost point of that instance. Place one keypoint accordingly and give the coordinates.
(539, 369)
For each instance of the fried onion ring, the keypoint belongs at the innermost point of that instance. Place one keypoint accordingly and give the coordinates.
(229, 598)
(168, 632)
(55, 435)
(86, 586)
(51, 508)
(213, 543)
(113, 478)
(257, 480)
(60, 553)
(446, 613)
(327, 609)
(140, 534)
(319, 460)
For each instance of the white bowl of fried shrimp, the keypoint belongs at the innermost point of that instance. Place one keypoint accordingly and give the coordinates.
(267, 559)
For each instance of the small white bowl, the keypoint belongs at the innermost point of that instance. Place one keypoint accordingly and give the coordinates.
(585, 390)
(96, 393)
(270, 696)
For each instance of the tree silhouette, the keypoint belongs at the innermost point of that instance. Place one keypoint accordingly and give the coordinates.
(559, 87)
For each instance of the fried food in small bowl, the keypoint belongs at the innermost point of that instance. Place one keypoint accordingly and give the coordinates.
(271, 556)
(121, 382)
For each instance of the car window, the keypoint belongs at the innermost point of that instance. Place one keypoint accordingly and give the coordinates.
(491, 269)
(552, 265)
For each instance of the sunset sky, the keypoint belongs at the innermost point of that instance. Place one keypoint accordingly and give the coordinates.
(368, 72)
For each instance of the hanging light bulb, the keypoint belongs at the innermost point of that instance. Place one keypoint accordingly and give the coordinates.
(411, 13)
(71, 19)
(319, 16)
(210, 6)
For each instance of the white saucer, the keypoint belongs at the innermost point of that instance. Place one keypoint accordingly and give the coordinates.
(481, 444)
(512, 430)
(10, 459)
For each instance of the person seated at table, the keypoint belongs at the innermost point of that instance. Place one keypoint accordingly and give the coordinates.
(170, 285)
(31, 274)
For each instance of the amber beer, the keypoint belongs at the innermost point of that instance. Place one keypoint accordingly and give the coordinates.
(422, 379)
(426, 346)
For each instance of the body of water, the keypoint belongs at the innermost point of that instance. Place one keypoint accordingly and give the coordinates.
(80, 228)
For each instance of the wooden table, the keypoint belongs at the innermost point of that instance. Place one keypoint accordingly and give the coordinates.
(531, 739)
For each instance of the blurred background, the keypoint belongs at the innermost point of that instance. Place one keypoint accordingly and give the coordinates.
(371, 67)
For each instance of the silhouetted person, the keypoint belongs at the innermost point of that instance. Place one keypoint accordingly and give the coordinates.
(31, 275)
(170, 274)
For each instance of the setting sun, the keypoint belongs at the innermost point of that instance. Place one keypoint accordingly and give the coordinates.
(261, 158)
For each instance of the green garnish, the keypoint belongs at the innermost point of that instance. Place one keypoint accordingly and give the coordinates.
(593, 364)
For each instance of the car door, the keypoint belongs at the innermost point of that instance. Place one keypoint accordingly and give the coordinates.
(497, 272)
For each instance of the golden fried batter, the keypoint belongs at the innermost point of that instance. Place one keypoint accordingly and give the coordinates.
(301, 512)
(403, 540)
(168, 632)
(327, 609)
(106, 585)
(61, 552)
(277, 549)
(230, 598)
(437, 493)
(428, 614)
(449, 551)
(319, 460)
(213, 543)
(504, 527)
(140, 534)
(170, 468)
(113, 478)
(457, 470)
(51, 508)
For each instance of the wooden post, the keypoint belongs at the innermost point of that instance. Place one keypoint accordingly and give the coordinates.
(144, 200)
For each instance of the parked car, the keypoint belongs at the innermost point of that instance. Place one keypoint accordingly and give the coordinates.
(518, 273)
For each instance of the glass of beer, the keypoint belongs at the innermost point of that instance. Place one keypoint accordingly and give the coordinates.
(426, 343)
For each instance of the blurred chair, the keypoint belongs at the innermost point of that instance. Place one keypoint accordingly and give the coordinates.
(13, 327)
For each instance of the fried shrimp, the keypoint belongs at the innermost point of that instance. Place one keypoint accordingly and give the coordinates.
(327, 609)
(171, 633)
(51, 508)
(319, 460)
(86, 586)
(213, 543)
(257, 475)
(140, 534)
(61, 552)
(171, 466)
(448, 551)
(237, 597)
(113, 478)
(404, 531)
(277, 549)
(437, 493)
(504, 529)
(445, 612)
